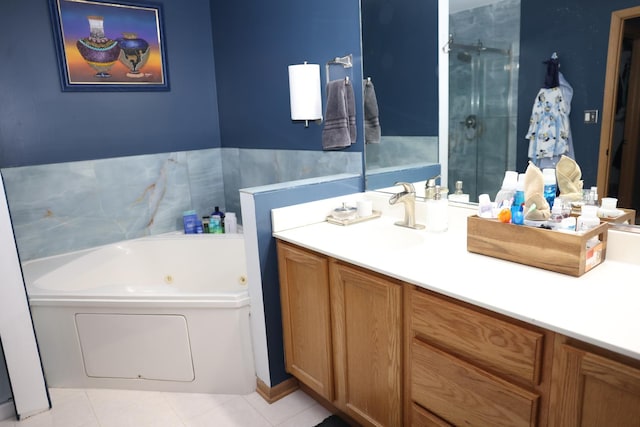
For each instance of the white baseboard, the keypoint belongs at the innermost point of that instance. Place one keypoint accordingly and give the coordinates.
(7, 410)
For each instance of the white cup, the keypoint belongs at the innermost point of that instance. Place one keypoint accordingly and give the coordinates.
(365, 208)
(609, 203)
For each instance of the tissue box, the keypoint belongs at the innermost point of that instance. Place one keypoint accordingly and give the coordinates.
(557, 251)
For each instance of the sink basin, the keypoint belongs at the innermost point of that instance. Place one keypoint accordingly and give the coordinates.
(384, 235)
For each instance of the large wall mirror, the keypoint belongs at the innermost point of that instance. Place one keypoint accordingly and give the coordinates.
(400, 61)
(619, 152)
(488, 74)
(443, 98)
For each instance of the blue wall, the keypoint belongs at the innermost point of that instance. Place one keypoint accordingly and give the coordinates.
(255, 43)
(265, 201)
(578, 31)
(40, 124)
(400, 54)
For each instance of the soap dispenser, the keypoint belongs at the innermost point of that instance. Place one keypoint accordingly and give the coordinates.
(458, 195)
(430, 188)
(437, 210)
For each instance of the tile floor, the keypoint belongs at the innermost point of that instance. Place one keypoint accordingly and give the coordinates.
(128, 408)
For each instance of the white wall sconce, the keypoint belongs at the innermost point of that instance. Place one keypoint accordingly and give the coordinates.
(304, 93)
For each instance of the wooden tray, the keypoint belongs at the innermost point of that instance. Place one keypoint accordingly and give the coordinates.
(557, 251)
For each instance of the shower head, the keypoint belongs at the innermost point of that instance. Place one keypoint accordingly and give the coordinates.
(464, 56)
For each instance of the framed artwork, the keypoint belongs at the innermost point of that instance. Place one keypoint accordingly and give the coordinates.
(110, 46)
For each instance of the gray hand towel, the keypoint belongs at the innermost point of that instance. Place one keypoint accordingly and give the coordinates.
(372, 131)
(351, 111)
(335, 134)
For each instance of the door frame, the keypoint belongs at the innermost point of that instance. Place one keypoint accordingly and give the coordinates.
(616, 36)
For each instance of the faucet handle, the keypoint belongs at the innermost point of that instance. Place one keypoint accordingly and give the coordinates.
(408, 187)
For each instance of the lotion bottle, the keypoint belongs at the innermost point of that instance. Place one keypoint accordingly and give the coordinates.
(230, 223)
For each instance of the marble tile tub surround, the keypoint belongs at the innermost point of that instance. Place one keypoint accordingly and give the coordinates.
(245, 168)
(59, 208)
(392, 151)
(64, 207)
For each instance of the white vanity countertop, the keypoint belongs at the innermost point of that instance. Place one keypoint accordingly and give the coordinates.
(601, 307)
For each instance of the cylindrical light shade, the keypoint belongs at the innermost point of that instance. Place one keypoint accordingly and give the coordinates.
(304, 92)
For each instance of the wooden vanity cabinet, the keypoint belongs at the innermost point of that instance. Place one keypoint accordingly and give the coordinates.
(468, 366)
(367, 344)
(306, 317)
(388, 353)
(593, 387)
(342, 329)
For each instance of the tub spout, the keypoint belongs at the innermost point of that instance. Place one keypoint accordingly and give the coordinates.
(407, 197)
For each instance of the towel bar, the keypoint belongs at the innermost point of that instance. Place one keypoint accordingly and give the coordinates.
(346, 62)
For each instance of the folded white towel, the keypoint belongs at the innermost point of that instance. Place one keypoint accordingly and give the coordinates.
(534, 195)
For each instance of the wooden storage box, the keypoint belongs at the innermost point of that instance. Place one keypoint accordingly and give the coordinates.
(557, 251)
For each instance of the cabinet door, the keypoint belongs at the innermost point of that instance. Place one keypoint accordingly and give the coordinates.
(367, 333)
(306, 317)
(594, 391)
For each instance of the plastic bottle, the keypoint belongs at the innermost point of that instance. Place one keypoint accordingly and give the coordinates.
(485, 207)
(518, 196)
(556, 213)
(550, 185)
(231, 223)
(215, 224)
(217, 211)
(593, 196)
(189, 220)
(587, 220)
(504, 198)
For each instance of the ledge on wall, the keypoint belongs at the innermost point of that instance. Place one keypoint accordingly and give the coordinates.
(387, 177)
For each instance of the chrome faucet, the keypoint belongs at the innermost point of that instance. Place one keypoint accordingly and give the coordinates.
(408, 198)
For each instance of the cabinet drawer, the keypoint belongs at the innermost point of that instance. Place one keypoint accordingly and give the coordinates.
(420, 417)
(462, 394)
(491, 343)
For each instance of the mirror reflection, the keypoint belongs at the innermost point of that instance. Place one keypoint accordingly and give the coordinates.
(483, 57)
(479, 121)
(400, 57)
(483, 51)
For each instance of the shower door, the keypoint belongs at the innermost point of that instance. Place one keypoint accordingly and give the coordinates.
(479, 88)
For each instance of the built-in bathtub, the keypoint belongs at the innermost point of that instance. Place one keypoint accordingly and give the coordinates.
(166, 313)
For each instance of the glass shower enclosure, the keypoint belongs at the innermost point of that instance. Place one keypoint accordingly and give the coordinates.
(480, 122)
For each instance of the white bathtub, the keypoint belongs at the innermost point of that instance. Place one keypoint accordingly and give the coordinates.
(166, 313)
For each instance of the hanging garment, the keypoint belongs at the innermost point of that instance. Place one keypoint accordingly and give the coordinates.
(549, 131)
